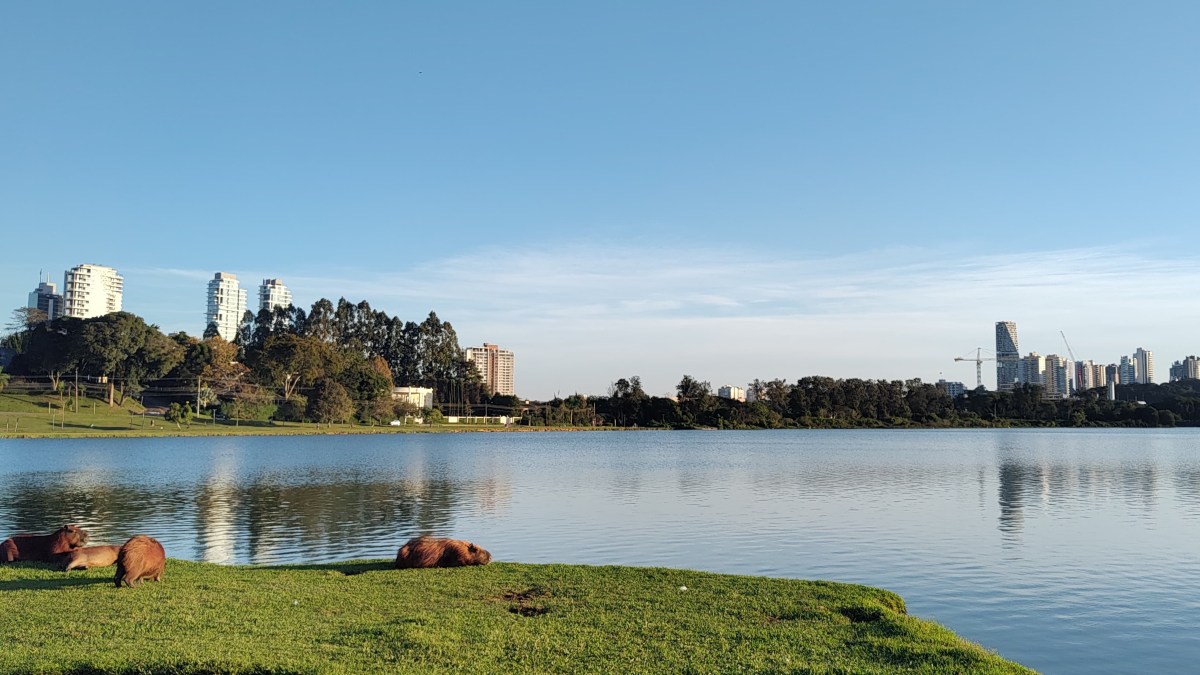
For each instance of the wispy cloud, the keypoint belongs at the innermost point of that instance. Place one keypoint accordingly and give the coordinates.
(580, 316)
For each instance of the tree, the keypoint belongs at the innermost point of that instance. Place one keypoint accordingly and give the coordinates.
(177, 413)
(290, 362)
(365, 385)
(3, 379)
(24, 320)
(127, 350)
(247, 402)
(695, 398)
(52, 349)
(627, 398)
(329, 402)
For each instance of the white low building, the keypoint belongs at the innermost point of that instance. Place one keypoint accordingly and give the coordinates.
(421, 397)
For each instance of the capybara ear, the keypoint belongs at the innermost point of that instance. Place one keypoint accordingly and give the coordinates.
(472, 548)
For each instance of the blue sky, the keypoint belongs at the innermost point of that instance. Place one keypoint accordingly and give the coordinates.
(728, 190)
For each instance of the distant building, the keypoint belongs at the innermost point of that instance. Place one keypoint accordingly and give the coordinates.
(496, 366)
(272, 293)
(421, 397)
(1127, 371)
(92, 290)
(953, 389)
(1145, 364)
(1007, 356)
(1057, 377)
(1085, 376)
(47, 299)
(1031, 369)
(1098, 375)
(732, 393)
(1187, 369)
(226, 305)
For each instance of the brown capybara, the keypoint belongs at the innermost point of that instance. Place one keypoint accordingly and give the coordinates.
(140, 558)
(42, 547)
(90, 556)
(436, 552)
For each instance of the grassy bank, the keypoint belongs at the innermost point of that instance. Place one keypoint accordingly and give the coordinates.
(365, 617)
(43, 416)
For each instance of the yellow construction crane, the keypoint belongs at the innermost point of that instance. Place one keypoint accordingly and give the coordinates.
(978, 364)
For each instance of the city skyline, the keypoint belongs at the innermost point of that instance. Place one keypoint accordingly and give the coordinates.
(727, 192)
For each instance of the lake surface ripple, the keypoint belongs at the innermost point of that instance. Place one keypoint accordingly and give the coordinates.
(1071, 551)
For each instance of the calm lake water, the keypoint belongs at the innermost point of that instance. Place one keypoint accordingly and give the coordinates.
(1068, 551)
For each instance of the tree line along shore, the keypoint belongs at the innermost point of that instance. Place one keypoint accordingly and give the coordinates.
(334, 368)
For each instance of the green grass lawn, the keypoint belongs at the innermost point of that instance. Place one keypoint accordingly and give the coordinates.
(42, 416)
(363, 617)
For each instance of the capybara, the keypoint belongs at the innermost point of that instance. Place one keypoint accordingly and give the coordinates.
(90, 556)
(42, 547)
(140, 558)
(437, 552)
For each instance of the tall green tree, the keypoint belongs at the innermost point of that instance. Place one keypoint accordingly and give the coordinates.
(329, 402)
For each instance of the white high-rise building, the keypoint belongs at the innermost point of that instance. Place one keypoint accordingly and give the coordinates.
(92, 290)
(272, 293)
(733, 393)
(1145, 366)
(226, 305)
(496, 365)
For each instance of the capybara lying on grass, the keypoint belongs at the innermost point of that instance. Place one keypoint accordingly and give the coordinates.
(90, 556)
(42, 547)
(140, 558)
(436, 552)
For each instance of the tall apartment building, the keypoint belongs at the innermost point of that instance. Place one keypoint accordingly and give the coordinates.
(47, 299)
(496, 366)
(1097, 375)
(1007, 356)
(1058, 376)
(272, 293)
(92, 290)
(1191, 368)
(1145, 363)
(731, 392)
(1031, 369)
(1187, 369)
(226, 305)
(1127, 371)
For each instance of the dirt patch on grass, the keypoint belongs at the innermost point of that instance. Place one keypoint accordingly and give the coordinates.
(861, 614)
(528, 602)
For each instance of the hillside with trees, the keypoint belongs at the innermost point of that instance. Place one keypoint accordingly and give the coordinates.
(333, 363)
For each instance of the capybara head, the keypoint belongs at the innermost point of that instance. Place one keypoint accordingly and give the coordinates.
(476, 555)
(437, 552)
(73, 535)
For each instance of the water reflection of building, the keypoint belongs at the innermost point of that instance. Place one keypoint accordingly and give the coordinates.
(1012, 477)
(216, 513)
(1071, 487)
